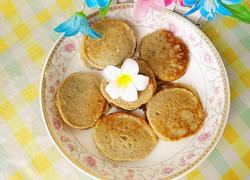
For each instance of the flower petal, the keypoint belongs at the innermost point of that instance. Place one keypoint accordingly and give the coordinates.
(140, 82)
(221, 9)
(130, 66)
(141, 9)
(111, 73)
(104, 11)
(189, 2)
(168, 2)
(195, 8)
(93, 34)
(113, 91)
(90, 3)
(231, 2)
(157, 4)
(129, 94)
(63, 27)
(171, 6)
(102, 3)
(207, 10)
(85, 27)
(71, 32)
(210, 16)
(74, 29)
(181, 3)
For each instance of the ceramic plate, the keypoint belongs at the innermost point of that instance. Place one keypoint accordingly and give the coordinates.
(206, 73)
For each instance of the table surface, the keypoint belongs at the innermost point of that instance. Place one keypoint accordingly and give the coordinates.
(26, 37)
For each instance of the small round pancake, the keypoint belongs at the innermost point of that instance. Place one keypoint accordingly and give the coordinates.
(143, 96)
(79, 100)
(175, 113)
(124, 137)
(166, 55)
(117, 44)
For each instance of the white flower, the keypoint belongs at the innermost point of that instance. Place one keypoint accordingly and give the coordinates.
(125, 82)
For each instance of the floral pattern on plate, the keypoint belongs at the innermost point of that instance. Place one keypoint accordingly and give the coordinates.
(205, 73)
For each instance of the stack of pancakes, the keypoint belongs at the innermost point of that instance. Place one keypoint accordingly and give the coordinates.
(173, 111)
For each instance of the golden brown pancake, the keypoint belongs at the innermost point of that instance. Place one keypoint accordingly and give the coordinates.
(117, 44)
(175, 113)
(79, 100)
(166, 55)
(124, 137)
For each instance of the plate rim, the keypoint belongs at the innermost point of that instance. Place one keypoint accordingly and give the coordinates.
(179, 174)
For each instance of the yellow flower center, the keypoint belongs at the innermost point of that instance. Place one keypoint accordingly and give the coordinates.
(124, 80)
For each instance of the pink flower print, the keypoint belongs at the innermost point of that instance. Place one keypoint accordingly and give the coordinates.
(203, 137)
(216, 90)
(167, 170)
(211, 99)
(130, 171)
(183, 162)
(115, 166)
(57, 123)
(207, 58)
(58, 116)
(91, 161)
(57, 83)
(130, 175)
(52, 89)
(190, 156)
(64, 69)
(64, 138)
(191, 37)
(220, 102)
(53, 109)
(172, 28)
(69, 47)
(58, 55)
(104, 173)
(194, 41)
(50, 76)
(71, 147)
(175, 28)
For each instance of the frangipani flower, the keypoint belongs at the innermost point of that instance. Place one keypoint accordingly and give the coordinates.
(209, 8)
(168, 2)
(125, 82)
(142, 7)
(77, 24)
(97, 3)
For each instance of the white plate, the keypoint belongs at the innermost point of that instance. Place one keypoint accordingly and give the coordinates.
(206, 73)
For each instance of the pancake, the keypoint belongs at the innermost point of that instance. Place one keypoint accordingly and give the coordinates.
(166, 55)
(143, 96)
(175, 113)
(117, 44)
(79, 100)
(124, 137)
(106, 108)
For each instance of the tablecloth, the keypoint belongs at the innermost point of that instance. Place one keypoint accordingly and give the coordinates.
(26, 37)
